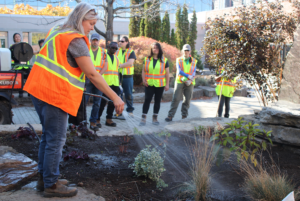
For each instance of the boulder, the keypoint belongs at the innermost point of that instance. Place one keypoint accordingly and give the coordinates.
(208, 91)
(290, 85)
(280, 116)
(14, 168)
(241, 92)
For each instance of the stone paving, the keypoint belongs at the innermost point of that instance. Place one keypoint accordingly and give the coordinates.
(201, 108)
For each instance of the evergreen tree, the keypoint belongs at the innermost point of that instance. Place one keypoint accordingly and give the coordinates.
(148, 23)
(173, 38)
(185, 25)
(193, 33)
(134, 27)
(142, 27)
(178, 25)
(165, 36)
(156, 28)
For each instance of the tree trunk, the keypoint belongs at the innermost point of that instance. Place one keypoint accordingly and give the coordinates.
(109, 22)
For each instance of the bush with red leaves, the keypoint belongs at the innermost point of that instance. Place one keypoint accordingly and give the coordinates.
(85, 132)
(24, 132)
(76, 155)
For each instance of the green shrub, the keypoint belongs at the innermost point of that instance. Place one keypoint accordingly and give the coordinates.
(199, 63)
(199, 81)
(150, 164)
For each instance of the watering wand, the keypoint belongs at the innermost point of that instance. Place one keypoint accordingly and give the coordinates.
(99, 96)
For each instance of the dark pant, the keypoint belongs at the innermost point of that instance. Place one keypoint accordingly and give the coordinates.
(127, 84)
(81, 114)
(149, 92)
(110, 107)
(225, 100)
(90, 88)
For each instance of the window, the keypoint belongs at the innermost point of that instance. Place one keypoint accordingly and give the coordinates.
(3, 39)
(25, 37)
(116, 38)
(35, 39)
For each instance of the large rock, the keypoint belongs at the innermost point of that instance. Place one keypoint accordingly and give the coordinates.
(208, 91)
(290, 86)
(280, 116)
(14, 168)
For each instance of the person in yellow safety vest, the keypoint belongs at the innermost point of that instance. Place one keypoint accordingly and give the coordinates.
(111, 76)
(56, 84)
(126, 56)
(25, 69)
(99, 59)
(155, 76)
(184, 83)
(227, 92)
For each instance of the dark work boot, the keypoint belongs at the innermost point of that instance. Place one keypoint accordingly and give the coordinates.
(40, 182)
(98, 124)
(154, 120)
(226, 115)
(109, 122)
(168, 119)
(60, 190)
(143, 120)
(184, 117)
(93, 126)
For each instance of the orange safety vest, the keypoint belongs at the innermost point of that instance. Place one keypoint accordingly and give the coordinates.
(52, 79)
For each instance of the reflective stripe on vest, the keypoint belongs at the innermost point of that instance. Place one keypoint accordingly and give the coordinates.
(188, 69)
(111, 76)
(155, 76)
(100, 59)
(123, 58)
(52, 79)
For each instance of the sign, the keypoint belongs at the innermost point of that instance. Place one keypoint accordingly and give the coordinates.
(7, 80)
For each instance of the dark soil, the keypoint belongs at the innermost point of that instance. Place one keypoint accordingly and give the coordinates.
(106, 173)
(139, 89)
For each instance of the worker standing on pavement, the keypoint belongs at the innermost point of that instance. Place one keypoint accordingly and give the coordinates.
(155, 76)
(184, 83)
(56, 85)
(111, 76)
(126, 57)
(98, 57)
(227, 92)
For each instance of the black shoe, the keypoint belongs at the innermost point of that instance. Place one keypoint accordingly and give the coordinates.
(93, 126)
(21, 95)
(98, 124)
(28, 95)
(120, 117)
(168, 119)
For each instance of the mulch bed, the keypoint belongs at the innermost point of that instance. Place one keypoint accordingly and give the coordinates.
(108, 174)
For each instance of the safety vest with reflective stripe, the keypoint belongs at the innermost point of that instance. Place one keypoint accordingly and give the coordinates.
(52, 79)
(20, 67)
(186, 68)
(123, 58)
(155, 76)
(228, 87)
(111, 76)
(100, 59)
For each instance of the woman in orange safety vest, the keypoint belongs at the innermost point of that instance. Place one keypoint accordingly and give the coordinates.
(56, 84)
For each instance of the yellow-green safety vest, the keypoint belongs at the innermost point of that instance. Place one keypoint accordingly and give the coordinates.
(20, 67)
(155, 76)
(228, 87)
(100, 59)
(123, 58)
(186, 68)
(111, 76)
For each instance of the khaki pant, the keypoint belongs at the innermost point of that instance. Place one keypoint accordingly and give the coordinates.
(179, 90)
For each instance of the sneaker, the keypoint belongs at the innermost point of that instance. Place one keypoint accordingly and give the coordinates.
(130, 114)
(120, 117)
(93, 126)
(168, 119)
(40, 183)
(184, 117)
(60, 190)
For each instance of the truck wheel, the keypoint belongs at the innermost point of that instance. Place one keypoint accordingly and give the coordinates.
(5, 111)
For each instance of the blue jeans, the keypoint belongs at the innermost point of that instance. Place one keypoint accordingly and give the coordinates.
(54, 123)
(90, 88)
(127, 85)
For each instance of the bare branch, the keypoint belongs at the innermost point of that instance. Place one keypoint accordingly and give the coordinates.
(134, 6)
(100, 32)
(101, 5)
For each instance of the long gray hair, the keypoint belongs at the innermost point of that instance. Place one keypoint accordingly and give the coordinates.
(83, 11)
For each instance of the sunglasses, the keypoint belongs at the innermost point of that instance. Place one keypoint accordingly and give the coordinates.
(121, 41)
(186, 50)
(113, 48)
